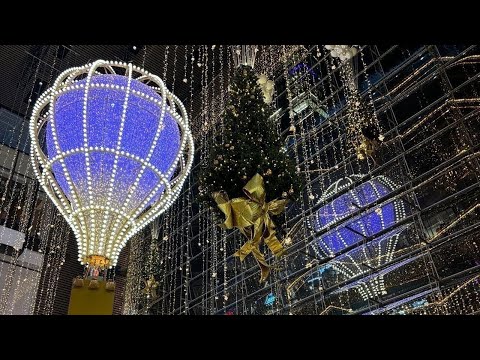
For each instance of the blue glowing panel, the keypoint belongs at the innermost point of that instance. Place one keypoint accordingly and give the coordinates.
(317, 275)
(270, 299)
(368, 224)
(302, 66)
(373, 249)
(104, 113)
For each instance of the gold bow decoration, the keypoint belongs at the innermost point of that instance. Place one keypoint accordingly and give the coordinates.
(150, 287)
(366, 148)
(251, 216)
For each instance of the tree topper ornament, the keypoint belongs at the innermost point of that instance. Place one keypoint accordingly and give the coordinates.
(343, 52)
(267, 87)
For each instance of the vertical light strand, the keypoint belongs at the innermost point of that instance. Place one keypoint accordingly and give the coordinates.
(214, 274)
(21, 272)
(165, 254)
(172, 258)
(44, 233)
(177, 254)
(371, 102)
(223, 92)
(174, 71)
(292, 120)
(31, 195)
(13, 261)
(144, 56)
(189, 235)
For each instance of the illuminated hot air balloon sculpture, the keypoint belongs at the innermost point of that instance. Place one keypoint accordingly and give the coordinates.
(111, 147)
(361, 245)
(378, 222)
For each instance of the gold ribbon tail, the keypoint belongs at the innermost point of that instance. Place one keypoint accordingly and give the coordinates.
(264, 267)
(251, 216)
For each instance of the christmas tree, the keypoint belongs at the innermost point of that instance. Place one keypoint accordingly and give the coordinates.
(248, 144)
